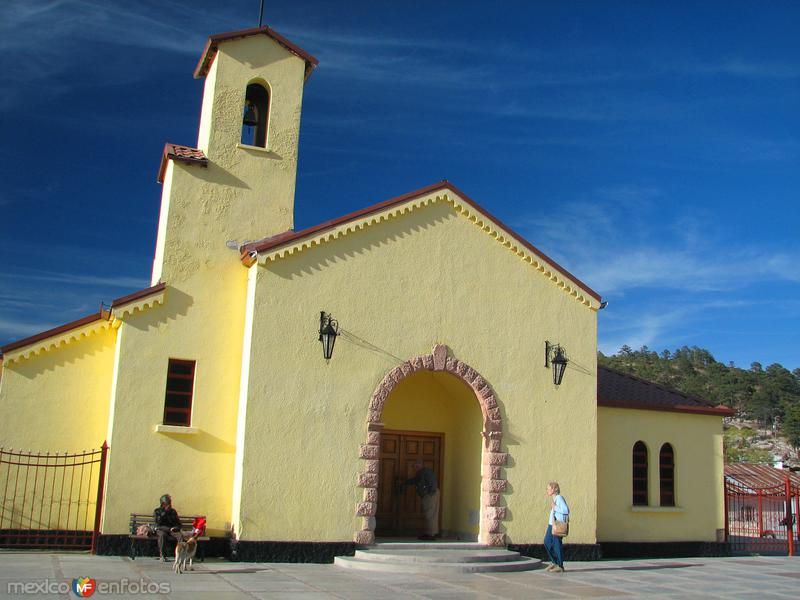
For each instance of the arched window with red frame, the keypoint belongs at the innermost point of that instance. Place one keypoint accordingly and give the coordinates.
(639, 474)
(666, 475)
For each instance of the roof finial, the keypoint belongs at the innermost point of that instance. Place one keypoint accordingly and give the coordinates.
(261, 14)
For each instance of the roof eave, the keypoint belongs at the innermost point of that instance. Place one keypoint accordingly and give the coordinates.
(210, 50)
(717, 411)
(290, 237)
(99, 316)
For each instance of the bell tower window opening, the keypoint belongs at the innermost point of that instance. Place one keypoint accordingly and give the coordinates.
(256, 116)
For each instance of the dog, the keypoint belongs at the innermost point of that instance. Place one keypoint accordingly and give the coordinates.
(184, 555)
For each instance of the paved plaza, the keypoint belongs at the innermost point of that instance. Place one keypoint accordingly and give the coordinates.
(739, 577)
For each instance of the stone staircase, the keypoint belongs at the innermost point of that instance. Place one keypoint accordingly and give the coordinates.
(437, 557)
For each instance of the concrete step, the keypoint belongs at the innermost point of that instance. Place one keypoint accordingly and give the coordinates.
(442, 557)
(437, 556)
(438, 545)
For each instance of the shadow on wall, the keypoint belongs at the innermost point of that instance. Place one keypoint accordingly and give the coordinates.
(358, 242)
(72, 353)
(202, 442)
(176, 304)
(219, 176)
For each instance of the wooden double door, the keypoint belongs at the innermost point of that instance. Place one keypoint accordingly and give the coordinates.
(399, 510)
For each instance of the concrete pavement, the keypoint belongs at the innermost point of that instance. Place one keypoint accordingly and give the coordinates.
(50, 575)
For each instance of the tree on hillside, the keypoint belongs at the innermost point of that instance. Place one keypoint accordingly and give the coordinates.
(791, 425)
(767, 395)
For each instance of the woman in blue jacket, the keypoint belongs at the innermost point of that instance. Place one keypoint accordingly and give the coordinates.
(552, 543)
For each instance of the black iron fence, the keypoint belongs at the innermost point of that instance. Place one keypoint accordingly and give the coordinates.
(51, 500)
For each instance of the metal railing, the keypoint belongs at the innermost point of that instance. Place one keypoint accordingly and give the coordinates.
(762, 519)
(51, 500)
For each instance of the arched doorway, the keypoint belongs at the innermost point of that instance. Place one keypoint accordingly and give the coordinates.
(492, 478)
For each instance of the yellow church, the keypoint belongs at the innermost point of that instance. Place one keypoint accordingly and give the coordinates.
(285, 387)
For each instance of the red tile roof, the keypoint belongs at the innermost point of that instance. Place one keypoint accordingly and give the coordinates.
(621, 390)
(137, 295)
(82, 321)
(184, 154)
(51, 332)
(214, 41)
(760, 476)
(289, 237)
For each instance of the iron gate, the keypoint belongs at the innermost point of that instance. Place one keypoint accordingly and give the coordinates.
(762, 519)
(51, 500)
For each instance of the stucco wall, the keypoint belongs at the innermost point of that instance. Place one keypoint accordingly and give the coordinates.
(426, 276)
(57, 401)
(698, 457)
(201, 322)
(243, 194)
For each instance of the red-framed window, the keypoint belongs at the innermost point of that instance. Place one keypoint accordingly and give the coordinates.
(639, 474)
(666, 475)
(180, 392)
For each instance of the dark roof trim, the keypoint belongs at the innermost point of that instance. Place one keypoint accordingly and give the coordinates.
(290, 237)
(82, 321)
(214, 41)
(159, 287)
(719, 411)
(51, 332)
(184, 154)
(692, 404)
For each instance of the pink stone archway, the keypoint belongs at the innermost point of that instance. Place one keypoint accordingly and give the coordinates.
(493, 482)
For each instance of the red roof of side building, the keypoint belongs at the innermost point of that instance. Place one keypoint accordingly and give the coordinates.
(289, 237)
(621, 390)
(82, 321)
(760, 476)
(214, 41)
(184, 154)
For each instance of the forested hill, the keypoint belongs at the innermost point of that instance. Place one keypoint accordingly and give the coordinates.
(771, 396)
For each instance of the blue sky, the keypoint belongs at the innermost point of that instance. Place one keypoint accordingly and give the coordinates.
(651, 148)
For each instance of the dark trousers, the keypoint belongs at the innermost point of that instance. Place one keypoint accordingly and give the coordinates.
(163, 533)
(552, 544)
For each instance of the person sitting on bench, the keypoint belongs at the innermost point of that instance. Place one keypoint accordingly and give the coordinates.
(167, 524)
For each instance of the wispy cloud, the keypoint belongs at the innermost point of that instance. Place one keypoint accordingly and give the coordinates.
(115, 281)
(738, 67)
(619, 242)
(50, 43)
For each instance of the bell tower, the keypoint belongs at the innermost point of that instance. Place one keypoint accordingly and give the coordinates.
(238, 184)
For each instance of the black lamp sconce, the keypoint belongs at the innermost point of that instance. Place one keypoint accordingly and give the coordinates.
(328, 330)
(556, 356)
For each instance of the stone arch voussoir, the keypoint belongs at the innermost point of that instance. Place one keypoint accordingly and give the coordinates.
(493, 481)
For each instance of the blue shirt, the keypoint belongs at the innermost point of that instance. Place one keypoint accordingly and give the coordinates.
(560, 511)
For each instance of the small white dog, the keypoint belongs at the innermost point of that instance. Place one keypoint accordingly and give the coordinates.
(184, 555)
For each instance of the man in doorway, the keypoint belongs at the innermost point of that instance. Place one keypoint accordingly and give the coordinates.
(428, 491)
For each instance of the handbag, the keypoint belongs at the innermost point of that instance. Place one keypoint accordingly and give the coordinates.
(560, 528)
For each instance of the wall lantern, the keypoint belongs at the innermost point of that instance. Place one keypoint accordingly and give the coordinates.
(554, 354)
(328, 330)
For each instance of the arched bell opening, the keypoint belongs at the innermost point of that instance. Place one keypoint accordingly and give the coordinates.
(255, 119)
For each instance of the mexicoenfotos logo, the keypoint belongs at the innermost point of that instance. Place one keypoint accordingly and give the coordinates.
(84, 587)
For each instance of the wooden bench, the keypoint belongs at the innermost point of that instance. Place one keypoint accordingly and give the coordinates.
(137, 541)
